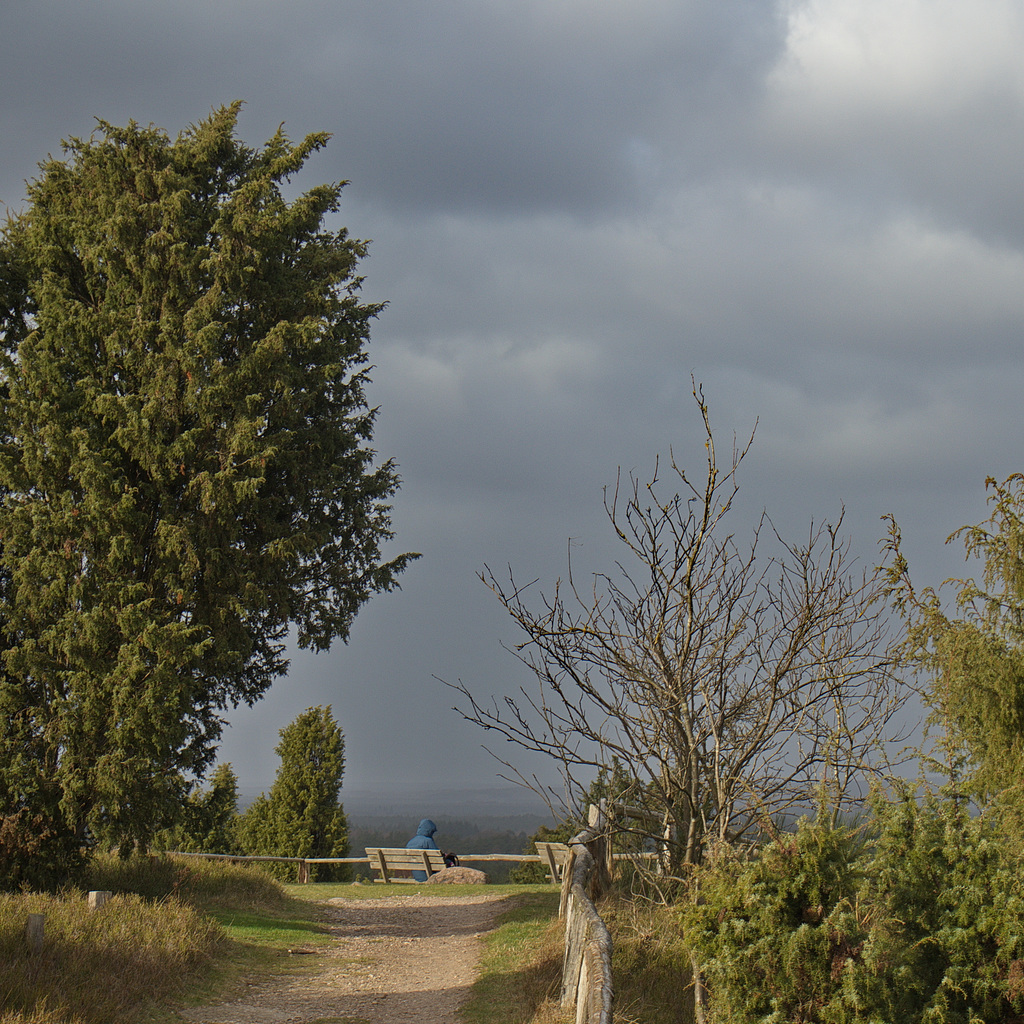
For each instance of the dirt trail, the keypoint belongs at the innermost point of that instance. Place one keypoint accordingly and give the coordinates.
(396, 960)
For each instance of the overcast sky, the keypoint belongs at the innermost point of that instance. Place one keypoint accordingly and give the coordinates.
(814, 207)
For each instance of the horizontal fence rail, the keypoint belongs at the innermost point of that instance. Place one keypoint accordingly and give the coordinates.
(302, 863)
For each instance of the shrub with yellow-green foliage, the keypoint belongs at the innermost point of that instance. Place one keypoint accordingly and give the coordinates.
(916, 919)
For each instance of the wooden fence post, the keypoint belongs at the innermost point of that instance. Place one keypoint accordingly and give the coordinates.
(587, 964)
(97, 897)
(34, 932)
(600, 847)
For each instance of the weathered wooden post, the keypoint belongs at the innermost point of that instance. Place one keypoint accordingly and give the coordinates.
(303, 872)
(97, 897)
(587, 965)
(567, 872)
(34, 932)
(600, 847)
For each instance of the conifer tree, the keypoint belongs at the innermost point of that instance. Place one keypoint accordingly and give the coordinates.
(185, 470)
(302, 817)
(210, 817)
(973, 657)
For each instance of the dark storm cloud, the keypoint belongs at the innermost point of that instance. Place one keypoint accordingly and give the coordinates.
(513, 108)
(446, 106)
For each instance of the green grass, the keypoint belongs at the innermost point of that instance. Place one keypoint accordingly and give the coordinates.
(260, 929)
(186, 931)
(521, 969)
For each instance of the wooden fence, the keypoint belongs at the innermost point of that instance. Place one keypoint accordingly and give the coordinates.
(587, 967)
(302, 863)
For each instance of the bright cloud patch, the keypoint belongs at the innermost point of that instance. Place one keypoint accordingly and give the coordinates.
(901, 54)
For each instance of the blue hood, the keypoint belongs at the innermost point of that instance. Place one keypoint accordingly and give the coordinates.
(427, 828)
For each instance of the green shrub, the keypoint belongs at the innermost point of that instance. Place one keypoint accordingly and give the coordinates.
(208, 818)
(37, 850)
(945, 942)
(917, 920)
(530, 872)
(765, 932)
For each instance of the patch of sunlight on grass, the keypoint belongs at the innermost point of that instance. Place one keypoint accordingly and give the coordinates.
(521, 969)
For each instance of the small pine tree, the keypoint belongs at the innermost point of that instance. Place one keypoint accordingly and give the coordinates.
(302, 817)
(532, 873)
(211, 815)
(208, 821)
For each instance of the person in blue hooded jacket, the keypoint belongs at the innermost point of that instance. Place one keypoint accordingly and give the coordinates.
(423, 840)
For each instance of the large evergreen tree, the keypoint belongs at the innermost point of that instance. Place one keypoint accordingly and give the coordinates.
(302, 817)
(184, 462)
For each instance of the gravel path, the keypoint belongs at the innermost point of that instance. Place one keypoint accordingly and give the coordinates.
(395, 960)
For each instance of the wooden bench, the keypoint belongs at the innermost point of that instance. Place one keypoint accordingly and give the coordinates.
(387, 860)
(555, 856)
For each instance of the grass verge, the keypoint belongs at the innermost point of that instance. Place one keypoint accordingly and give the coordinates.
(521, 968)
(650, 963)
(174, 930)
(99, 965)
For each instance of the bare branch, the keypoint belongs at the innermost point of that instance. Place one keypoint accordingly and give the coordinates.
(731, 684)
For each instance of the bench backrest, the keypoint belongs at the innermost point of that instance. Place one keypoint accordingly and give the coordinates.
(554, 856)
(387, 860)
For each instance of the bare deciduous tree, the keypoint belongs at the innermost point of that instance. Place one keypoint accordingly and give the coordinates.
(732, 685)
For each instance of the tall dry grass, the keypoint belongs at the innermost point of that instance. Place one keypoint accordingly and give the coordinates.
(200, 883)
(98, 965)
(650, 962)
(521, 967)
(150, 943)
